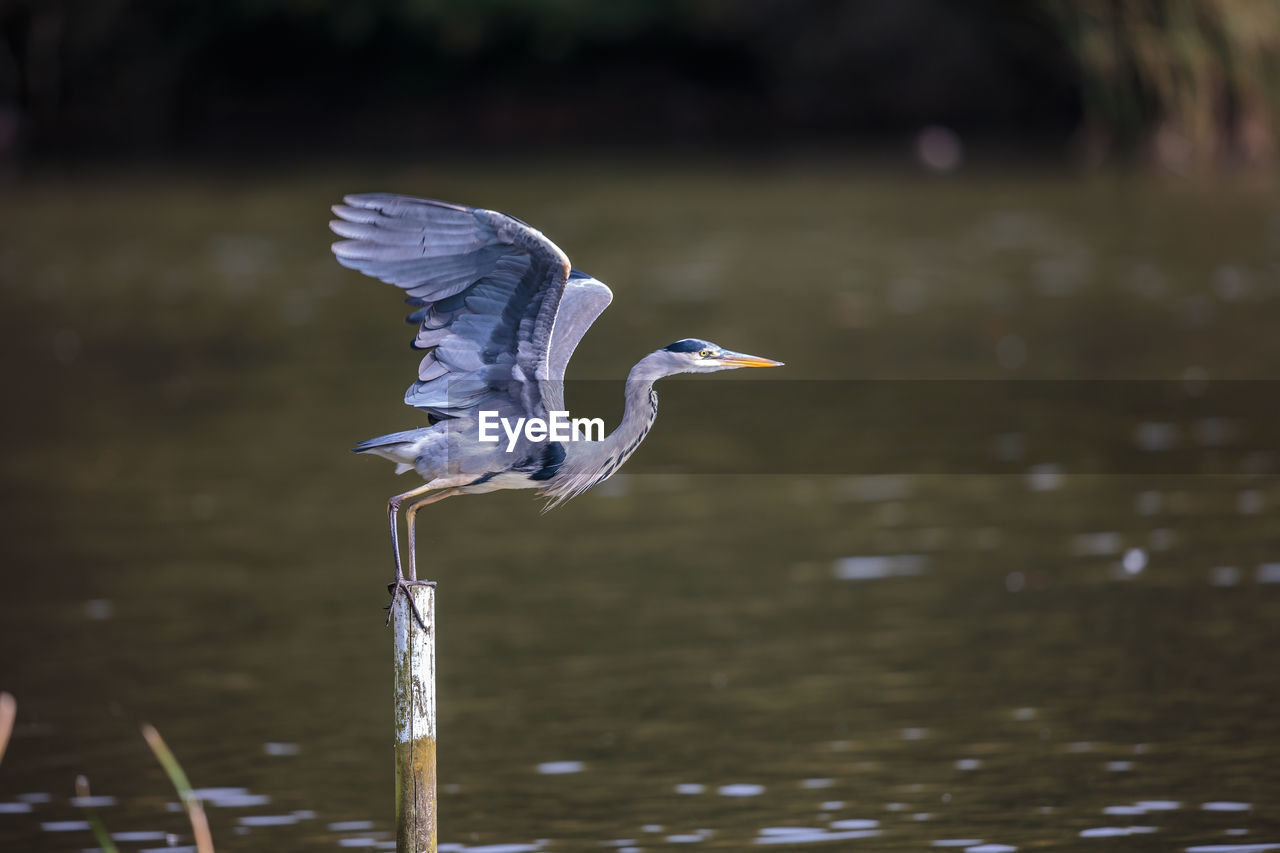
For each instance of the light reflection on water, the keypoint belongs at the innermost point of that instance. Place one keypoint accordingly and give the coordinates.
(363, 833)
(993, 662)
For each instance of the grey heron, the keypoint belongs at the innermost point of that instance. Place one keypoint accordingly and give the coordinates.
(499, 311)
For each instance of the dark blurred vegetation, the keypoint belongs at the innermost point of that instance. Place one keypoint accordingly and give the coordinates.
(1182, 82)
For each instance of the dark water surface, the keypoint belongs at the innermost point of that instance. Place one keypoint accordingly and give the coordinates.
(1028, 648)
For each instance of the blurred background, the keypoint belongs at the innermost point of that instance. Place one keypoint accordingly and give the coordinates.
(1180, 84)
(991, 564)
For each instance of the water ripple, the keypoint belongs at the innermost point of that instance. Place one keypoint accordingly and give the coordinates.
(807, 835)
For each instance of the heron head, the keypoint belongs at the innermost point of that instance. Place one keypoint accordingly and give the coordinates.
(694, 355)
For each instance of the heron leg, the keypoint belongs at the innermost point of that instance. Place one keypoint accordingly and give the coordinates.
(398, 584)
(409, 517)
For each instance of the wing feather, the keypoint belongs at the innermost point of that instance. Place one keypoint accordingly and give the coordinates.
(497, 310)
(584, 300)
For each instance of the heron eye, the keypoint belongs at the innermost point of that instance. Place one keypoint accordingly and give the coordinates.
(706, 353)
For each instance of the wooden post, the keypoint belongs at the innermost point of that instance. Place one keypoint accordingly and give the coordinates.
(415, 677)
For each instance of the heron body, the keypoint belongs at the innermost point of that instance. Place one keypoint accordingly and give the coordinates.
(448, 455)
(499, 312)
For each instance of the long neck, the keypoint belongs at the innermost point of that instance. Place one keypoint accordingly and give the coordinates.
(639, 413)
(590, 463)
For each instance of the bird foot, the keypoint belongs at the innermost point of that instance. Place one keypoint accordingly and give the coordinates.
(399, 587)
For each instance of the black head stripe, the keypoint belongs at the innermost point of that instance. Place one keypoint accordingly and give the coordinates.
(687, 345)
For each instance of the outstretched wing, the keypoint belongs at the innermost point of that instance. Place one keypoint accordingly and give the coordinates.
(498, 313)
(583, 301)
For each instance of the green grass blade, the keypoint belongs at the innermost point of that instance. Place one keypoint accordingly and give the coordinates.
(95, 824)
(195, 811)
(167, 760)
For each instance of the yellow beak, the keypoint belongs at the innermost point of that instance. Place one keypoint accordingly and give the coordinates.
(739, 359)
